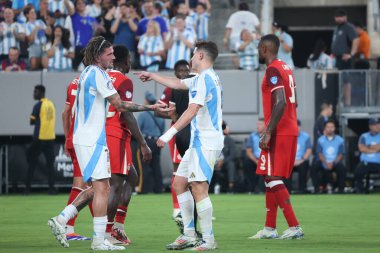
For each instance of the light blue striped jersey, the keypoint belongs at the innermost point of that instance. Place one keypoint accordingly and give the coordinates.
(8, 38)
(55, 5)
(59, 62)
(91, 106)
(248, 58)
(201, 25)
(179, 50)
(206, 126)
(150, 44)
(40, 37)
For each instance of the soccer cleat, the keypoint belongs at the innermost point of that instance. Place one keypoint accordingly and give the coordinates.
(182, 242)
(203, 246)
(179, 222)
(115, 241)
(106, 245)
(58, 231)
(265, 234)
(76, 237)
(121, 236)
(293, 233)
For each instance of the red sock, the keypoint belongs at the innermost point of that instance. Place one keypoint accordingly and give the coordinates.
(109, 226)
(121, 214)
(283, 200)
(73, 194)
(174, 195)
(271, 206)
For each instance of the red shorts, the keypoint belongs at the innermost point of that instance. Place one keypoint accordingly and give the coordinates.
(120, 154)
(76, 170)
(279, 160)
(174, 154)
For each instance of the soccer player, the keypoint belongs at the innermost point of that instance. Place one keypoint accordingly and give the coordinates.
(94, 90)
(119, 128)
(279, 141)
(196, 168)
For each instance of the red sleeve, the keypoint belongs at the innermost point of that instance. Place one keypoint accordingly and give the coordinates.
(166, 95)
(4, 65)
(125, 90)
(274, 79)
(68, 93)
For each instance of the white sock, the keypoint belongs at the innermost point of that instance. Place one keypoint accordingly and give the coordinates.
(204, 209)
(69, 229)
(119, 225)
(186, 204)
(100, 224)
(69, 212)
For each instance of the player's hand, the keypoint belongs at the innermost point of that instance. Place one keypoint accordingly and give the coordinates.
(161, 107)
(160, 143)
(172, 114)
(346, 57)
(146, 152)
(143, 75)
(265, 140)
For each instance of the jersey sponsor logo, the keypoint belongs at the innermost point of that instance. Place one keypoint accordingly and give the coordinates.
(92, 91)
(274, 80)
(192, 175)
(193, 93)
(128, 94)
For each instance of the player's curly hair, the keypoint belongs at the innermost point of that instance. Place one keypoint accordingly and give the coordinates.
(94, 48)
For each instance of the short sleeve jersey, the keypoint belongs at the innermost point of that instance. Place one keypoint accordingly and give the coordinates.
(206, 126)
(94, 87)
(116, 125)
(166, 95)
(278, 75)
(70, 100)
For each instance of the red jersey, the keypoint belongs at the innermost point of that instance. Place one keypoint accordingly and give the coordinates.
(278, 75)
(115, 124)
(166, 95)
(70, 100)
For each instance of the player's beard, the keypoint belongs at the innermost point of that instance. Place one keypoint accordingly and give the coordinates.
(261, 60)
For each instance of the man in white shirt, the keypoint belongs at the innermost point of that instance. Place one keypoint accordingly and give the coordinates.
(95, 89)
(196, 168)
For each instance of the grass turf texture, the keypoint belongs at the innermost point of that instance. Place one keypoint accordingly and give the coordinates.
(332, 223)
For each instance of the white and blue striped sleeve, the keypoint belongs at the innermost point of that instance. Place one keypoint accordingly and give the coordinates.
(104, 84)
(198, 91)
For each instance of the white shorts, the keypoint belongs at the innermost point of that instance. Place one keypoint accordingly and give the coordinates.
(94, 162)
(197, 165)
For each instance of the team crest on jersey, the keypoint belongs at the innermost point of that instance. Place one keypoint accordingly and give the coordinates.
(274, 80)
(163, 97)
(193, 93)
(110, 85)
(128, 94)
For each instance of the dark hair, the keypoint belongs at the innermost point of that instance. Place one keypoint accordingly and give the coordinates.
(76, 2)
(243, 6)
(40, 88)
(121, 53)
(340, 12)
(204, 6)
(94, 48)
(325, 105)
(224, 125)
(65, 36)
(359, 24)
(209, 47)
(320, 46)
(328, 122)
(180, 63)
(273, 39)
(181, 16)
(27, 9)
(158, 7)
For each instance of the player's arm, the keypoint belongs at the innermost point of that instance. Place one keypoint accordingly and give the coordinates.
(171, 82)
(181, 123)
(250, 155)
(35, 113)
(123, 106)
(66, 119)
(135, 130)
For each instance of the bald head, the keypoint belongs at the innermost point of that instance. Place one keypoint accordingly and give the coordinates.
(268, 48)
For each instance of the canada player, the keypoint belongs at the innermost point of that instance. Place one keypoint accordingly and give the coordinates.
(119, 127)
(78, 184)
(279, 141)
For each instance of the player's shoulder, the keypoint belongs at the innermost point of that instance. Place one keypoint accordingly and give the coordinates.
(339, 138)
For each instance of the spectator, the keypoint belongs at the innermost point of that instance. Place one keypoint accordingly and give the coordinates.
(301, 164)
(242, 19)
(151, 47)
(364, 47)
(183, 8)
(152, 128)
(18, 7)
(11, 33)
(36, 31)
(4, 4)
(94, 10)
(286, 44)
(109, 13)
(43, 13)
(252, 152)
(125, 26)
(320, 122)
(345, 41)
(84, 28)
(141, 28)
(369, 147)
(43, 119)
(319, 59)
(179, 42)
(330, 151)
(60, 8)
(201, 17)
(60, 51)
(247, 51)
(13, 63)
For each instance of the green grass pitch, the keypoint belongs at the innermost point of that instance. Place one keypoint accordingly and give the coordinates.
(332, 223)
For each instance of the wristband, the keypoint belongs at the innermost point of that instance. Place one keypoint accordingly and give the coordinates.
(169, 134)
